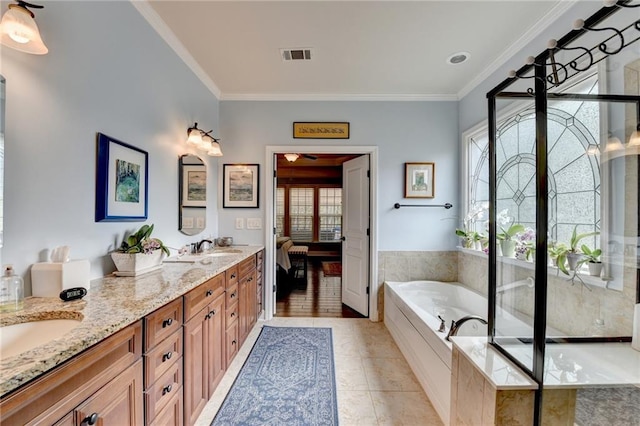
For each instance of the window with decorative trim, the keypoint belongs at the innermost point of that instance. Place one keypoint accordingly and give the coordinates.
(309, 213)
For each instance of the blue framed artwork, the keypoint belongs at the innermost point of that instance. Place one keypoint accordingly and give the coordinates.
(121, 181)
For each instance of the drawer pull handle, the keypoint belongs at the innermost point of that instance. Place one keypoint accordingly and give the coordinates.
(233, 276)
(233, 342)
(232, 296)
(167, 322)
(233, 314)
(91, 419)
(212, 312)
(209, 293)
(167, 356)
(166, 389)
(208, 316)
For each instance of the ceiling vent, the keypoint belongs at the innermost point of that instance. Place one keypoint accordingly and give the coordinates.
(296, 54)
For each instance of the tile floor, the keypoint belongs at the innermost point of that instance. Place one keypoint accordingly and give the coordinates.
(374, 383)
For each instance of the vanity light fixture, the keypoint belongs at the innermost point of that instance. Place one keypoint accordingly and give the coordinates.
(291, 157)
(634, 139)
(212, 146)
(194, 135)
(613, 144)
(19, 31)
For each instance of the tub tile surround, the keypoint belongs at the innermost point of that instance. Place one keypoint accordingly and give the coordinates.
(111, 304)
(572, 308)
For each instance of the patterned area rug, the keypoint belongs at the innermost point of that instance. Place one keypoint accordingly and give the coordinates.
(332, 269)
(288, 379)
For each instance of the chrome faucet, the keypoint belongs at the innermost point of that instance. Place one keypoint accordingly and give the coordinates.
(199, 245)
(455, 325)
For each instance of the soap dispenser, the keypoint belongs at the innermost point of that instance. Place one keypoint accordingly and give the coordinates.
(11, 291)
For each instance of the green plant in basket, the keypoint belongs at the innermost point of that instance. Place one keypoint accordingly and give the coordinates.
(141, 242)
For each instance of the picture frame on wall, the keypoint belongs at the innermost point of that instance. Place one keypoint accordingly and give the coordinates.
(321, 130)
(122, 172)
(240, 186)
(194, 185)
(419, 180)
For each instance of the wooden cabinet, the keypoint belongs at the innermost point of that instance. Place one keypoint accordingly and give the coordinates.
(246, 296)
(117, 403)
(106, 379)
(259, 282)
(204, 346)
(231, 315)
(163, 339)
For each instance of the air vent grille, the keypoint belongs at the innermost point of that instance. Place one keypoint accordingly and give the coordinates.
(296, 54)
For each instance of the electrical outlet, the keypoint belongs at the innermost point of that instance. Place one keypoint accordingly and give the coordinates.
(254, 223)
(239, 223)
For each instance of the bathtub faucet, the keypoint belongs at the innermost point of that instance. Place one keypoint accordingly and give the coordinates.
(455, 325)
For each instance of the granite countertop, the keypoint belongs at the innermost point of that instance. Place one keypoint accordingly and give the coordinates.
(112, 303)
(567, 365)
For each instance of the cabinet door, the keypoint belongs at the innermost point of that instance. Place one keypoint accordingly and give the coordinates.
(232, 341)
(243, 310)
(119, 402)
(251, 302)
(195, 366)
(216, 343)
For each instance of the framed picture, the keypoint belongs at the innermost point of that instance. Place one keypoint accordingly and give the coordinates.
(419, 180)
(240, 186)
(121, 181)
(194, 186)
(321, 130)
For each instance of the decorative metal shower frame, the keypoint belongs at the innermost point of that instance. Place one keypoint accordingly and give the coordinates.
(546, 73)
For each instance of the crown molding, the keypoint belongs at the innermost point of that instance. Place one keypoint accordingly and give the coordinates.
(533, 32)
(156, 22)
(336, 97)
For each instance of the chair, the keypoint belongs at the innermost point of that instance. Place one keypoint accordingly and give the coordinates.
(299, 261)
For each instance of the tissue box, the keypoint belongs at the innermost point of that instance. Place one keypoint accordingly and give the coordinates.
(48, 279)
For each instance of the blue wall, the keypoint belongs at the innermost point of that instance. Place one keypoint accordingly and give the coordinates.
(402, 131)
(106, 71)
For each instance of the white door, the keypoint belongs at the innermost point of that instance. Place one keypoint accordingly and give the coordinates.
(355, 238)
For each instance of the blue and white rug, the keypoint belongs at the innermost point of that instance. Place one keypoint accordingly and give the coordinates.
(288, 379)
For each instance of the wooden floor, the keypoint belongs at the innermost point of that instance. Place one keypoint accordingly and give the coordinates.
(320, 297)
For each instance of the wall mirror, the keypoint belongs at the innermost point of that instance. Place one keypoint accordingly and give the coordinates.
(192, 208)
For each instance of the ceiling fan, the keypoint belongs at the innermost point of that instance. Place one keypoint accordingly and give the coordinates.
(292, 157)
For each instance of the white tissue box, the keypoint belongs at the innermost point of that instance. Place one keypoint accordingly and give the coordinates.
(48, 279)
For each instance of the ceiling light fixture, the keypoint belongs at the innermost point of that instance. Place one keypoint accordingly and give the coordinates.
(19, 30)
(291, 157)
(458, 58)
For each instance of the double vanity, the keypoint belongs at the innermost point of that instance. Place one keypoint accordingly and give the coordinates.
(136, 350)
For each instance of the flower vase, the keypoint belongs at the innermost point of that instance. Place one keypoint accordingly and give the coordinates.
(508, 248)
(477, 245)
(136, 262)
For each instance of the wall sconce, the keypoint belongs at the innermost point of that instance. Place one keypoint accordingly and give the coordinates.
(19, 29)
(291, 157)
(203, 140)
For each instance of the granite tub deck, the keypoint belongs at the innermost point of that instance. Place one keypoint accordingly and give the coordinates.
(111, 304)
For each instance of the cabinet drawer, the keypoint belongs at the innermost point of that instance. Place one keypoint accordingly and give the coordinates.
(202, 295)
(171, 414)
(232, 344)
(163, 390)
(232, 276)
(118, 402)
(231, 314)
(162, 357)
(246, 266)
(232, 295)
(161, 323)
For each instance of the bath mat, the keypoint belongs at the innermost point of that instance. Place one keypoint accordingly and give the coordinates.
(332, 269)
(608, 406)
(288, 379)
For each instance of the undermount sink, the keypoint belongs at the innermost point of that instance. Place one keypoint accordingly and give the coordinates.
(193, 258)
(18, 338)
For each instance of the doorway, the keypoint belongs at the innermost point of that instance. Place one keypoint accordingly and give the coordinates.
(315, 267)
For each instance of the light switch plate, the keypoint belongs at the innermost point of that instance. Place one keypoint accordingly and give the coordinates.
(239, 222)
(254, 223)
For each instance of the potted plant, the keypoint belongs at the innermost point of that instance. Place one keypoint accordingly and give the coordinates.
(558, 255)
(467, 238)
(592, 259)
(507, 241)
(139, 251)
(571, 255)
